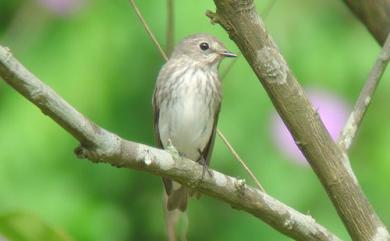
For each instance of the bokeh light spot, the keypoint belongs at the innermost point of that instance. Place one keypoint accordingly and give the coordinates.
(333, 111)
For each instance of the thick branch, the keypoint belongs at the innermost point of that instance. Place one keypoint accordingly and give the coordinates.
(374, 14)
(356, 117)
(241, 21)
(99, 145)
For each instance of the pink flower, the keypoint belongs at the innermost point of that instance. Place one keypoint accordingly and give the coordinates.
(333, 111)
(62, 7)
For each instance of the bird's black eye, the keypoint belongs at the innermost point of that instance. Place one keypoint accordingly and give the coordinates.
(204, 46)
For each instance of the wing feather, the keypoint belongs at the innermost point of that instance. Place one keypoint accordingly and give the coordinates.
(156, 114)
(208, 150)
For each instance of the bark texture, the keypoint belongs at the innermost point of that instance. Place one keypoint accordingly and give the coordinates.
(244, 26)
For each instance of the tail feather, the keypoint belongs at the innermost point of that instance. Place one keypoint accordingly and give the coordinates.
(178, 199)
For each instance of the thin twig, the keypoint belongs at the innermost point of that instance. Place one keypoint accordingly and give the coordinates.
(227, 143)
(146, 26)
(234, 153)
(170, 26)
(365, 97)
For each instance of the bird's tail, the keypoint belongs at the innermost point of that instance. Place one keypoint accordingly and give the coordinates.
(177, 195)
(178, 199)
(175, 205)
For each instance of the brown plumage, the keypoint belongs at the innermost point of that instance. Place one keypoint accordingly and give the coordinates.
(186, 104)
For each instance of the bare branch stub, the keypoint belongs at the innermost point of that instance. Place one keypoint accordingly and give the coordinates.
(246, 29)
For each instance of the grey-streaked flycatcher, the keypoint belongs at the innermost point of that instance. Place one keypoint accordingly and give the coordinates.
(186, 104)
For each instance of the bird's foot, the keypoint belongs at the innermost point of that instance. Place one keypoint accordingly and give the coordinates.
(202, 161)
(205, 167)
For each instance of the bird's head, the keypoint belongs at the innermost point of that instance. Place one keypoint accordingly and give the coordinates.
(203, 49)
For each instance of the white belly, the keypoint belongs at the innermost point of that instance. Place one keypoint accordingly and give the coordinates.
(188, 123)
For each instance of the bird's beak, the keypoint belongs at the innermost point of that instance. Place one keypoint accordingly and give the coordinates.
(228, 54)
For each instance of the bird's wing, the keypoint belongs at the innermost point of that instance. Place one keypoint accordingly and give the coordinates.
(156, 114)
(206, 153)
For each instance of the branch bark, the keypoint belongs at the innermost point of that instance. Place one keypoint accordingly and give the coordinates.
(375, 15)
(362, 103)
(246, 29)
(100, 145)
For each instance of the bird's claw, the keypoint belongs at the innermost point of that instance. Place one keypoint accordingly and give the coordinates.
(205, 168)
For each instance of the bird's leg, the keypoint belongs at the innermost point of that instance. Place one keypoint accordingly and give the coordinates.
(202, 161)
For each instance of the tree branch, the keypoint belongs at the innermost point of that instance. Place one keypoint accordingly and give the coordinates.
(362, 103)
(245, 27)
(100, 145)
(375, 15)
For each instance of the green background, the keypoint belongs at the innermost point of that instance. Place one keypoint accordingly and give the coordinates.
(99, 58)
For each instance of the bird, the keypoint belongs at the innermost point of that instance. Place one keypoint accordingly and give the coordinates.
(186, 104)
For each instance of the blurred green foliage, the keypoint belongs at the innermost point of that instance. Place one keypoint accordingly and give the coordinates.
(99, 58)
(26, 227)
